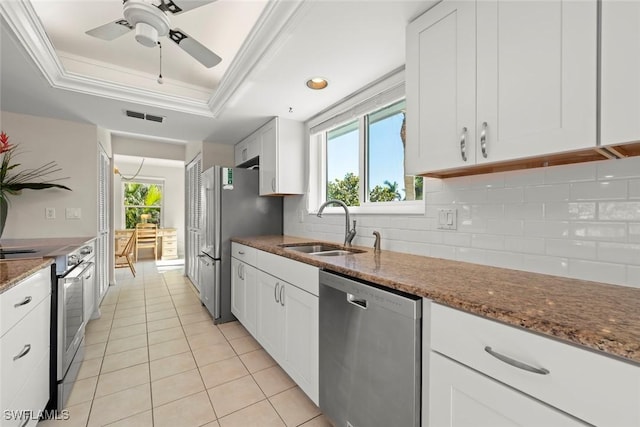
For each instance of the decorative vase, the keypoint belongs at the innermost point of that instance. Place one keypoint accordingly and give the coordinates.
(4, 209)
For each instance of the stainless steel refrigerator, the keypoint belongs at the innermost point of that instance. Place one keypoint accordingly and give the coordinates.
(231, 206)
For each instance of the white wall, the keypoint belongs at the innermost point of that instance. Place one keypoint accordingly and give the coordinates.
(73, 146)
(213, 154)
(173, 205)
(580, 221)
(147, 148)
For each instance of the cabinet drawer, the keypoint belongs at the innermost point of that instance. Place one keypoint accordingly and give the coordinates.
(22, 298)
(169, 244)
(31, 398)
(304, 276)
(590, 386)
(244, 253)
(29, 336)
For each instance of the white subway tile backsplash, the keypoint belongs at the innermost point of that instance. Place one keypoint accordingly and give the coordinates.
(581, 249)
(621, 253)
(487, 241)
(600, 190)
(580, 220)
(599, 231)
(619, 169)
(505, 195)
(527, 245)
(547, 193)
(511, 227)
(581, 211)
(619, 211)
(597, 271)
(550, 229)
(570, 173)
(634, 189)
(524, 210)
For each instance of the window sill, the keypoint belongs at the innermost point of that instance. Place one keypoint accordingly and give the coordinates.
(392, 208)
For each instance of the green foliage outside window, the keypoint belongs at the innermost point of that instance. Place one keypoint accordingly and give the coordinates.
(347, 190)
(139, 199)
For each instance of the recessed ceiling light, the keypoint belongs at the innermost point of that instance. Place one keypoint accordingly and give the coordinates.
(317, 83)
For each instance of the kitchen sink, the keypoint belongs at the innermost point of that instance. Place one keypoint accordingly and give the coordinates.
(320, 249)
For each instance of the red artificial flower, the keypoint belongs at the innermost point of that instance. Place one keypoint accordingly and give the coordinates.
(4, 142)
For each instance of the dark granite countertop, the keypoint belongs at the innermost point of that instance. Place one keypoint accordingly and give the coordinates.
(598, 316)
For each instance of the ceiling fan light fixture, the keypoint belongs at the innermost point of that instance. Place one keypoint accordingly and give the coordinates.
(149, 21)
(317, 83)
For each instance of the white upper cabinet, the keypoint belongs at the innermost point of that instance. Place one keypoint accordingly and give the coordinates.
(495, 81)
(247, 149)
(620, 68)
(281, 157)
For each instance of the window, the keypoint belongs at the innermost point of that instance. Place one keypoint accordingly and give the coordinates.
(364, 160)
(142, 203)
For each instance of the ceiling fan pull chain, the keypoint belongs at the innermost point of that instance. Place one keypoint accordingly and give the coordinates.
(160, 81)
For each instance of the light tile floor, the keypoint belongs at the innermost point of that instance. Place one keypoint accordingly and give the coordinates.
(155, 358)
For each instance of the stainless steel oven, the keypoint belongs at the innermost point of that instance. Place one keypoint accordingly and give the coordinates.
(68, 322)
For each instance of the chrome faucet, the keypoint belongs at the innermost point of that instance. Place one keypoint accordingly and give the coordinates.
(348, 234)
(376, 244)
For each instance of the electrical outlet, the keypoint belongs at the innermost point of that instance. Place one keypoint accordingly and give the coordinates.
(50, 213)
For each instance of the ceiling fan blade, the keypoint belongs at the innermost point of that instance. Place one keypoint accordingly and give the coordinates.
(112, 30)
(194, 48)
(179, 6)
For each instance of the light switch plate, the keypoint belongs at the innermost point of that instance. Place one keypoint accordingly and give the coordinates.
(72, 213)
(447, 219)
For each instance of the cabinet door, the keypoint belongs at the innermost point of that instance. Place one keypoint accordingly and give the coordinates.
(462, 397)
(301, 339)
(620, 65)
(240, 152)
(250, 299)
(441, 91)
(238, 289)
(270, 315)
(268, 158)
(536, 78)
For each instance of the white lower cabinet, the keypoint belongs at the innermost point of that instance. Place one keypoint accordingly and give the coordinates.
(276, 300)
(462, 397)
(24, 349)
(485, 373)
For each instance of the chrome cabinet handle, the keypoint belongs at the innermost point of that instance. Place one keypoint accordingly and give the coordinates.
(240, 252)
(275, 292)
(244, 154)
(483, 139)
(273, 184)
(25, 301)
(463, 144)
(516, 363)
(26, 349)
(282, 295)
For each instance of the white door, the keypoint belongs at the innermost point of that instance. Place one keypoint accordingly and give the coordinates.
(270, 314)
(462, 397)
(301, 339)
(441, 91)
(536, 78)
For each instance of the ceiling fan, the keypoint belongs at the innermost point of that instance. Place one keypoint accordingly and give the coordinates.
(151, 21)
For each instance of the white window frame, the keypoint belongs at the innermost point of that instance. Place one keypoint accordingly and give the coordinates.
(154, 181)
(387, 91)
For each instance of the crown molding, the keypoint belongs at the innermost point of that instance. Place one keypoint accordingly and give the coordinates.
(29, 32)
(273, 28)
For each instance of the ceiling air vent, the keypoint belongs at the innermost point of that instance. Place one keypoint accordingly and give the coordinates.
(143, 116)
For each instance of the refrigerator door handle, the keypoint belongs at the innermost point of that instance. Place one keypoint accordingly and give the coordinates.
(217, 285)
(216, 221)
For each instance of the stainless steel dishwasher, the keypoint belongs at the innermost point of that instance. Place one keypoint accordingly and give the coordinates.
(370, 352)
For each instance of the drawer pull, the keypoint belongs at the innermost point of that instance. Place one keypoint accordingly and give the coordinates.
(25, 350)
(516, 363)
(25, 301)
(241, 252)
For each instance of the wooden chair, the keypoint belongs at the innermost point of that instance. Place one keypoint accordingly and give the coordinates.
(147, 237)
(123, 258)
